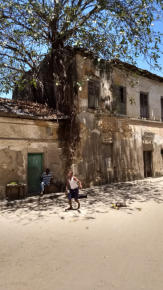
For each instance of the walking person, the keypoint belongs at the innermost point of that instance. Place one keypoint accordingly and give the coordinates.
(72, 189)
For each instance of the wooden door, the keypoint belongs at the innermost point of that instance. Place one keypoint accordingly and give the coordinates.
(147, 156)
(35, 167)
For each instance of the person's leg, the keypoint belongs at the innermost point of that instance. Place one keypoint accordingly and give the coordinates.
(70, 200)
(70, 203)
(46, 188)
(77, 201)
(42, 188)
(76, 196)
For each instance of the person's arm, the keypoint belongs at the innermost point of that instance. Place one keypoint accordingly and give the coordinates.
(78, 182)
(51, 179)
(67, 187)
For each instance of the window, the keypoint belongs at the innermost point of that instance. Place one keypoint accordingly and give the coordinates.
(144, 110)
(119, 95)
(162, 109)
(93, 94)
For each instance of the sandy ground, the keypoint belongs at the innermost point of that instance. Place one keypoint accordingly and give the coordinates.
(42, 247)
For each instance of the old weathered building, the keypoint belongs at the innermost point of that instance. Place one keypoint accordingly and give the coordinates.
(28, 144)
(117, 134)
(120, 112)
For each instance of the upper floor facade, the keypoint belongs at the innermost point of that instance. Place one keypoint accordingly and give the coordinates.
(119, 88)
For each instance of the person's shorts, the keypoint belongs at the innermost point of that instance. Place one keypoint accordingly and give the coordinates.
(73, 193)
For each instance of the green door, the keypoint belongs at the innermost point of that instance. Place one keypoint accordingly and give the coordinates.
(35, 167)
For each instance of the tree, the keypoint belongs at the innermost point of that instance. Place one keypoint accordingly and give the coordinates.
(33, 29)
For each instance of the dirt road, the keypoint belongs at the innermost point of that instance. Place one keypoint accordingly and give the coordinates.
(42, 247)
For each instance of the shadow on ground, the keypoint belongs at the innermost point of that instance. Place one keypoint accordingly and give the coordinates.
(100, 199)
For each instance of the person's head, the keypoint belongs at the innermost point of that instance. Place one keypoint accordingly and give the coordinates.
(70, 173)
(47, 170)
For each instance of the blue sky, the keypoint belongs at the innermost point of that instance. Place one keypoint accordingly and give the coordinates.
(158, 26)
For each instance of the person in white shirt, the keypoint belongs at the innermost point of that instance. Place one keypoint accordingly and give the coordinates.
(46, 179)
(72, 189)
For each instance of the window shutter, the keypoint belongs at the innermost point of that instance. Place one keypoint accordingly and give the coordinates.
(115, 94)
(161, 108)
(144, 110)
(119, 99)
(123, 104)
(93, 94)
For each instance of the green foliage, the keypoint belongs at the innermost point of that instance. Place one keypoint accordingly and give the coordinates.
(29, 29)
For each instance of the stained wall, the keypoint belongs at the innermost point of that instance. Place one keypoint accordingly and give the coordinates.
(18, 137)
(111, 146)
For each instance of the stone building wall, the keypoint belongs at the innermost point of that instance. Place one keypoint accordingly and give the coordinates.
(111, 149)
(135, 84)
(87, 69)
(18, 137)
(110, 75)
(112, 146)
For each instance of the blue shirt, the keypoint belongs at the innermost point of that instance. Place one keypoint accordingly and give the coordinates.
(46, 178)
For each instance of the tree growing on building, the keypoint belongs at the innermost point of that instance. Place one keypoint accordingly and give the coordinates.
(36, 32)
(33, 29)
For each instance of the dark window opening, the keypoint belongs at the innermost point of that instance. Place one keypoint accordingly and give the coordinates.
(93, 94)
(119, 101)
(121, 94)
(144, 109)
(162, 109)
(162, 153)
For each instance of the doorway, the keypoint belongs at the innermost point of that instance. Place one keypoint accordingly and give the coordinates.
(35, 167)
(147, 157)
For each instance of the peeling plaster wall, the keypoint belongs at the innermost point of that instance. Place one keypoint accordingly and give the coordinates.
(108, 76)
(18, 137)
(111, 147)
(150, 135)
(88, 70)
(135, 84)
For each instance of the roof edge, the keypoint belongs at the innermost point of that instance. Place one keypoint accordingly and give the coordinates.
(119, 63)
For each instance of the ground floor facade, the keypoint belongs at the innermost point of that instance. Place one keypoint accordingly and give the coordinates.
(27, 147)
(110, 149)
(114, 149)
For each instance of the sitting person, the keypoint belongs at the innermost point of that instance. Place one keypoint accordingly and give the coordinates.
(46, 179)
